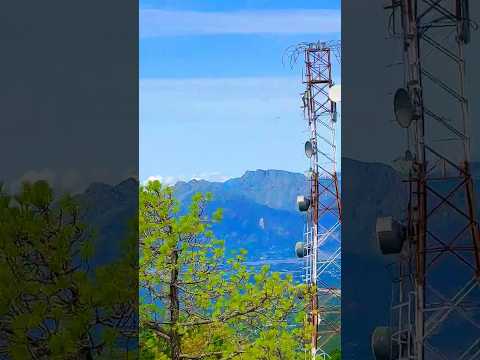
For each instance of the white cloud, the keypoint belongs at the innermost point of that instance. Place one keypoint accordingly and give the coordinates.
(165, 180)
(235, 99)
(241, 98)
(155, 22)
(264, 87)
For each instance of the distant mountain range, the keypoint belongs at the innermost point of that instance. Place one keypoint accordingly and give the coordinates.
(260, 215)
(276, 189)
(259, 209)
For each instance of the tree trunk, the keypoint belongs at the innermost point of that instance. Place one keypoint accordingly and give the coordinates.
(174, 308)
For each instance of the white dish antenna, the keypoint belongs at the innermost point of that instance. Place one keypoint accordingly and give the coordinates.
(403, 108)
(335, 93)
(404, 164)
(308, 149)
(308, 174)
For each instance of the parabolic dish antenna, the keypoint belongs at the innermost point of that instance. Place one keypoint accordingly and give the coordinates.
(335, 93)
(404, 164)
(402, 106)
(308, 174)
(308, 149)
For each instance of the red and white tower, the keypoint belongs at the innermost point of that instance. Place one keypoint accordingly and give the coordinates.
(321, 248)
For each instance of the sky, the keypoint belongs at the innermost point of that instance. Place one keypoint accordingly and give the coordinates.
(217, 97)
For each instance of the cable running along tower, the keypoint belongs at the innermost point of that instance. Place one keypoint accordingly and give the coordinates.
(321, 248)
(435, 305)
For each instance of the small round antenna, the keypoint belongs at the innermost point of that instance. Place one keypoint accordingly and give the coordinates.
(308, 149)
(335, 93)
(403, 108)
(308, 174)
(404, 164)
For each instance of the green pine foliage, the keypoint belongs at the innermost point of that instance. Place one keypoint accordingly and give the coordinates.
(197, 302)
(52, 306)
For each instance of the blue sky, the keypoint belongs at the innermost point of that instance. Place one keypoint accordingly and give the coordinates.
(215, 98)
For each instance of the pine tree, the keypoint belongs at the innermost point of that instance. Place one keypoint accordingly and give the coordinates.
(199, 303)
(52, 304)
